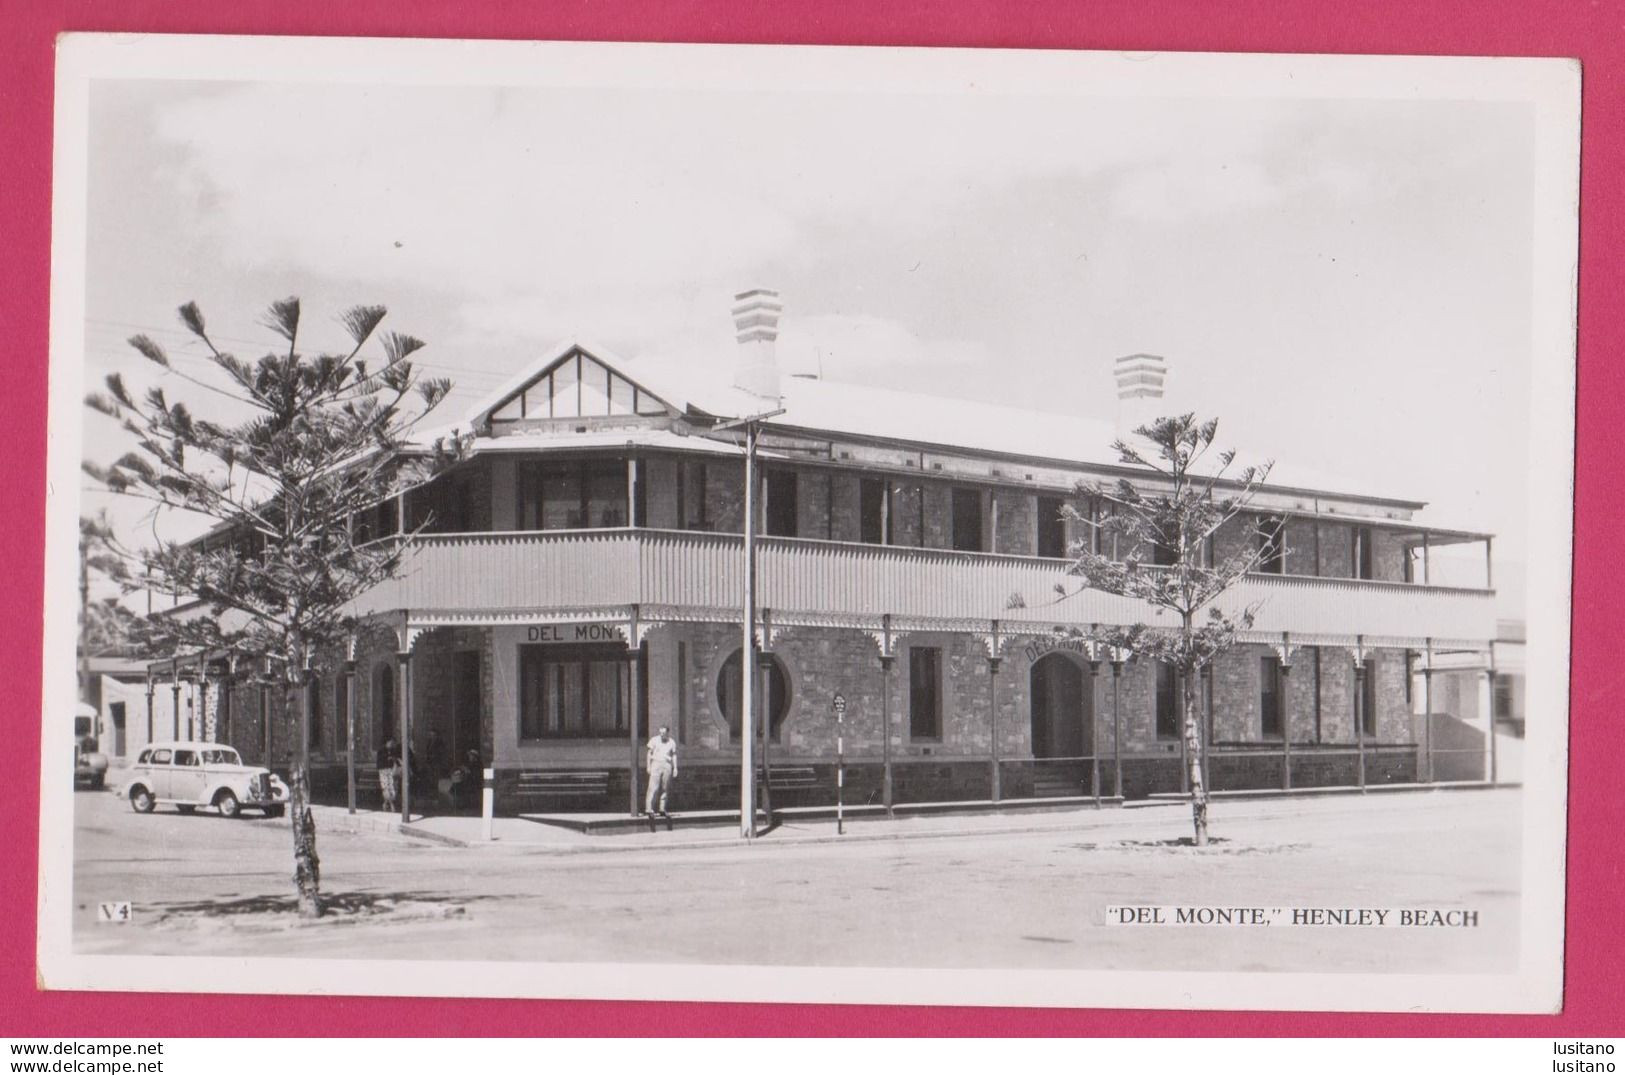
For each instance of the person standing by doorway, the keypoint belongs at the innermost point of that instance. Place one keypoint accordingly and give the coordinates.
(660, 760)
(389, 774)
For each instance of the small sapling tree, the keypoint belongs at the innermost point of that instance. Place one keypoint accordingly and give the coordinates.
(1163, 525)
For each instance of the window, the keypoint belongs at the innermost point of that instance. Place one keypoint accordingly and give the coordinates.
(1102, 540)
(575, 495)
(444, 505)
(564, 396)
(379, 521)
(874, 511)
(186, 757)
(572, 692)
(729, 687)
(691, 489)
(578, 387)
(1167, 701)
(1503, 698)
(1361, 567)
(779, 489)
(1365, 698)
(620, 396)
(341, 707)
(160, 757)
(924, 692)
(604, 488)
(1270, 697)
(1271, 535)
(1051, 528)
(1165, 553)
(144, 757)
(967, 520)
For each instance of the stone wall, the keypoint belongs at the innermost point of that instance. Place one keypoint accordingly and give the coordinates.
(660, 493)
(725, 496)
(1388, 556)
(1017, 514)
(846, 506)
(939, 515)
(905, 513)
(1336, 550)
(1300, 546)
(813, 496)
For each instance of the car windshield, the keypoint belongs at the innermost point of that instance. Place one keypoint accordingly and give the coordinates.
(220, 757)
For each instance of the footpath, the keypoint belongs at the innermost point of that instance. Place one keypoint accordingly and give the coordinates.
(600, 834)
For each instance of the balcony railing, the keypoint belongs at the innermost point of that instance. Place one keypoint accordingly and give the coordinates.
(514, 572)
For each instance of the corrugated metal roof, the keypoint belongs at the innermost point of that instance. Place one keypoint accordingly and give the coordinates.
(841, 408)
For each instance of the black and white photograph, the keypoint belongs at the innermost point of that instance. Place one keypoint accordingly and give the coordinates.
(865, 525)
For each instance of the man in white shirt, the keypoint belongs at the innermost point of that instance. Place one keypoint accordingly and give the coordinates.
(660, 759)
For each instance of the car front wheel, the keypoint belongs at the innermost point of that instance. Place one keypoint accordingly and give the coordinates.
(226, 803)
(141, 800)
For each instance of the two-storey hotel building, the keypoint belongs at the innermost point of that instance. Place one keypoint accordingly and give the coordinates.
(578, 581)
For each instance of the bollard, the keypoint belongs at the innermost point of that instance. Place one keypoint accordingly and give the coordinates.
(488, 795)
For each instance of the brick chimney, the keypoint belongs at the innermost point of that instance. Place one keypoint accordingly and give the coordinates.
(756, 326)
(1139, 390)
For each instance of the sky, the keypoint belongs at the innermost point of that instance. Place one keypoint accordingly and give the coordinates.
(1343, 283)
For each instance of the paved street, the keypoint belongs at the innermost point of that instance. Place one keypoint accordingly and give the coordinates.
(988, 897)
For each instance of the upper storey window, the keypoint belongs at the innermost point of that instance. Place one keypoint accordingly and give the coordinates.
(578, 387)
(1051, 536)
(1361, 566)
(779, 511)
(967, 520)
(1271, 538)
(874, 511)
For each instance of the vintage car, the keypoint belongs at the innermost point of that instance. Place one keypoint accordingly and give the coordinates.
(188, 775)
(89, 763)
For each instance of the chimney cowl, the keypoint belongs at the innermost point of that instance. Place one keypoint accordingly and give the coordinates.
(1140, 376)
(756, 314)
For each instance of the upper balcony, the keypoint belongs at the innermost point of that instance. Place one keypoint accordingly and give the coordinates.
(504, 574)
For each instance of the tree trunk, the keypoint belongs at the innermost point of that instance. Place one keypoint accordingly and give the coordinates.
(307, 870)
(1193, 755)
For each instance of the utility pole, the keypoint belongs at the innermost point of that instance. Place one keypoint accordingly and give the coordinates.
(747, 664)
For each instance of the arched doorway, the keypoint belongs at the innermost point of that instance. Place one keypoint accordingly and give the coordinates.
(1062, 709)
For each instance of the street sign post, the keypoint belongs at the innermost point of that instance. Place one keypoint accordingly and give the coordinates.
(839, 705)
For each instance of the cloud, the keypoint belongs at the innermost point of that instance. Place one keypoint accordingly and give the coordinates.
(586, 189)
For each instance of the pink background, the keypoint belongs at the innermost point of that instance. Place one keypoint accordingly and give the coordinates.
(1594, 31)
